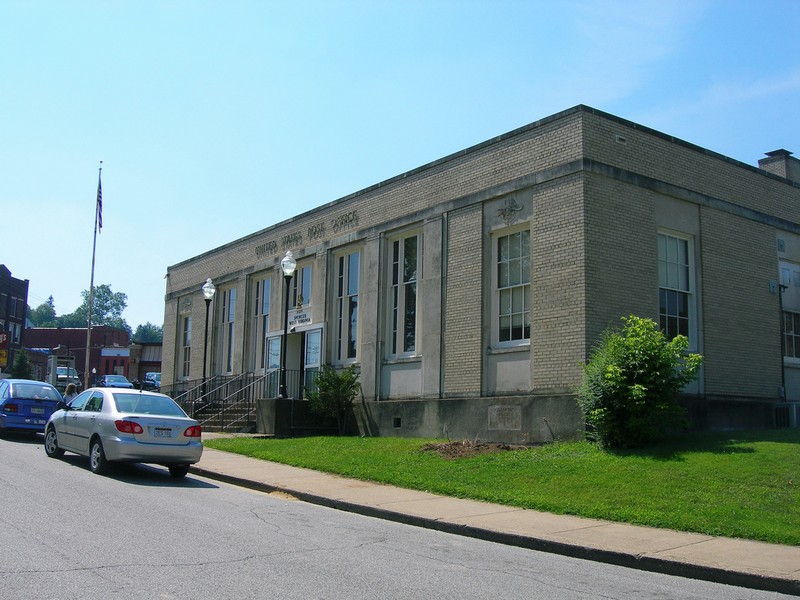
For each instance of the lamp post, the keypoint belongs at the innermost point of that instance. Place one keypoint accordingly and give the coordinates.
(288, 265)
(208, 293)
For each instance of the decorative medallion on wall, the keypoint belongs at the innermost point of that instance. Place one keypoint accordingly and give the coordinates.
(186, 305)
(509, 212)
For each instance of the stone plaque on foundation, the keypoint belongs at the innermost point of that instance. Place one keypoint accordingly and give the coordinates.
(505, 418)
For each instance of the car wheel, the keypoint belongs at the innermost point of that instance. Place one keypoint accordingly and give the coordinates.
(97, 458)
(178, 471)
(51, 444)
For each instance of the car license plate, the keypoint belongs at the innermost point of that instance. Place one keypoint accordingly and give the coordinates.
(36, 410)
(163, 432)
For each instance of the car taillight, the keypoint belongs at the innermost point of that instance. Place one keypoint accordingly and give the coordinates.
(10, 408)
(193, 431)
(128, 426)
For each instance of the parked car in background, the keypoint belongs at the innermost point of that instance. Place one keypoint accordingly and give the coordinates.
(152, 381)
(110, 425)
(118, 381)
(26, 405)
(67, 375)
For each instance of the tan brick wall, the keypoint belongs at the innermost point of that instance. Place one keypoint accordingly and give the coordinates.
(621, 255)
(557, 284)
(464, 312)
(168, 347)
(691, 167)
(740, 315)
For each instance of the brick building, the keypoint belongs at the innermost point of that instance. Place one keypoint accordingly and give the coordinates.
(470, 291)
(109, 351)
(13, 307)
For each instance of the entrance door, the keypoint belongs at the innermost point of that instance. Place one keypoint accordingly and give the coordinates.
(303, 359)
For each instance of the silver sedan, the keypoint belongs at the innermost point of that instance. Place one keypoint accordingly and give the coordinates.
(120, 425)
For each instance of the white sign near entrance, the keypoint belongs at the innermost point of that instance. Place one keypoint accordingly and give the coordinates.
(299, 318)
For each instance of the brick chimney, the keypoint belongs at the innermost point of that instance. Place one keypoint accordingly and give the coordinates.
(781, 163)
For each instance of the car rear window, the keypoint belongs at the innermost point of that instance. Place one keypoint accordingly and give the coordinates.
(32, 390)
(148, 405)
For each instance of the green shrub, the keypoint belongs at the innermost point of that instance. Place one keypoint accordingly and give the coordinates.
(630, 383)
(334, 395)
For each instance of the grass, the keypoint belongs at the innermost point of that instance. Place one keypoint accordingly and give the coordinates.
(742, 484)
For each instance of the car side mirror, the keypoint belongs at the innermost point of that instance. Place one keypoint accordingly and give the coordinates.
(62, 405)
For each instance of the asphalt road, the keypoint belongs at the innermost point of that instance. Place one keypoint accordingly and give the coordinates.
(137, 533)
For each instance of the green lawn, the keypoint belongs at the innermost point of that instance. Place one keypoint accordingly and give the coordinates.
(742, 484)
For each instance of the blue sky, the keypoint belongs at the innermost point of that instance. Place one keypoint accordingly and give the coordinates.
(216, 119)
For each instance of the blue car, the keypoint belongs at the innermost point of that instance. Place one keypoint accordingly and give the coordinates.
(117, 381)
(26, 405)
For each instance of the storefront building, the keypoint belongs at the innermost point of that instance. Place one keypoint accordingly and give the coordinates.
(470, 291)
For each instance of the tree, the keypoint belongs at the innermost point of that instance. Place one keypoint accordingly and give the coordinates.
(630, 384)
(334, 394)
(107, 308)
(43, 315)
(148, 333)
(22, 368)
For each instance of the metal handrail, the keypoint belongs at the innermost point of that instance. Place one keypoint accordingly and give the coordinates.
(225, 392)
(245, 398)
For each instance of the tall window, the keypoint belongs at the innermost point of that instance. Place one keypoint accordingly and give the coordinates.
(273, 364)
(674, 285)
(403, 295)
(301, 287)
(347, 280)
(260, 323)
(513, 262)
(274, 353)
(790, 293)
(227, 323)
(186, 347)
(791, 334)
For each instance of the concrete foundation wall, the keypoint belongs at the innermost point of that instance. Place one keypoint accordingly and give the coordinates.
(523, 420)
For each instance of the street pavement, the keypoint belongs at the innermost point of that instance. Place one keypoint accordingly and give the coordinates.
(737, 562)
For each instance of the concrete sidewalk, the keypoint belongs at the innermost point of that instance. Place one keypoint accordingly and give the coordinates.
(732, 561)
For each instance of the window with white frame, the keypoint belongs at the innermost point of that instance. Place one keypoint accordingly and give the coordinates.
(301, 287)
(259, 323)
(404, 274)
(512, 255)
(227, 327)
(274, 353)
(313, 349)
(186, 346)
(675, 285)
(347, 283)
(791, 334)
(790, 302)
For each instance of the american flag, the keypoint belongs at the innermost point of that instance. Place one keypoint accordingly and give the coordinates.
(99, 204)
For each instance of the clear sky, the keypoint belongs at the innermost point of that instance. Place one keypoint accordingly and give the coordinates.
(215, 119)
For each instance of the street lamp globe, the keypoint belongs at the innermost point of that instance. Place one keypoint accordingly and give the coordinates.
(208, 290)
(288, 264)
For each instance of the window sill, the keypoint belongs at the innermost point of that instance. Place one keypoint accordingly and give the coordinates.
(508, 349)
(402, 360)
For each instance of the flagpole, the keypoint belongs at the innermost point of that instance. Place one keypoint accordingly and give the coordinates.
(98, 218)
